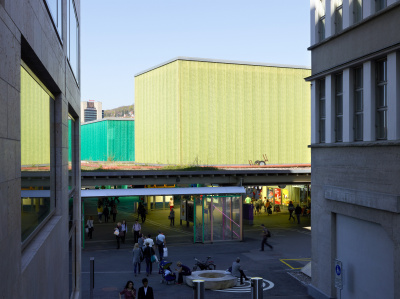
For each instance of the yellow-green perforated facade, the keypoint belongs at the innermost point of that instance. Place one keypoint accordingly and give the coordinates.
(206, 112)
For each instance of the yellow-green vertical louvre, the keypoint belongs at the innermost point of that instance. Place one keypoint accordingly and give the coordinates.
(231, 113)
(215, 113)
(157, 133)
(35, 122)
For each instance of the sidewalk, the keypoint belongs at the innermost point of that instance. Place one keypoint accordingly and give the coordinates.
(113, 268)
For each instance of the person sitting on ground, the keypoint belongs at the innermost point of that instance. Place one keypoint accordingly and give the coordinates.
(182, 271)
(237, 270)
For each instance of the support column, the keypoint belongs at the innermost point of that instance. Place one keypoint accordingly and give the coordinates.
(369, 101)
(393, 97)
(348, 106)
(346, 13)
(330, 109)
(314, 113)
(367, 8)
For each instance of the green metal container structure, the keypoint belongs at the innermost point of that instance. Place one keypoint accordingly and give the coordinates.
(108, 140)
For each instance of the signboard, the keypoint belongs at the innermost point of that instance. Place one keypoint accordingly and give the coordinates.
(338, 274)
(277, 196)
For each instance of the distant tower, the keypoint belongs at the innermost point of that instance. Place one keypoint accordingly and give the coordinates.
(91, 110)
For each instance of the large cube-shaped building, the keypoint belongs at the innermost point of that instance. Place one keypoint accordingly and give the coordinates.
(201, 111)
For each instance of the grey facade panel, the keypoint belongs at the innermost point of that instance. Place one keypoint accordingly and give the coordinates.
(372, 36)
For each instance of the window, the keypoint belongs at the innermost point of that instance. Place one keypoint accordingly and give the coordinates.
(381, 99)
(379, 5)
(339, 107)
(357, 11)
(55, 9)
(322, 113)
(73, 39)
(37, 153)
(321, 21)
(339, 16)
(358, 104)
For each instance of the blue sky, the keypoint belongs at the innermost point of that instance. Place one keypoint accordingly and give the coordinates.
(124, 37)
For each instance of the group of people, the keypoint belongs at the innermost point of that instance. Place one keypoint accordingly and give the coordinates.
(145, 292)
(107, 207)
(297, 210)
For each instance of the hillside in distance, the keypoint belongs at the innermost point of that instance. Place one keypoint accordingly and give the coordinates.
(124, 111)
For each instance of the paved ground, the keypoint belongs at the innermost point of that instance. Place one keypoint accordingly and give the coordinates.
(113, 267)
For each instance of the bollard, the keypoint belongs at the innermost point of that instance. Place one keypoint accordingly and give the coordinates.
(198, 289)
(256, 288)
(91, 277)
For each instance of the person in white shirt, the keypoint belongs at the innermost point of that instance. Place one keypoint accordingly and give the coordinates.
(89, 225)
(136, 228)
(149, 240)
(160, 241)
(145, 292)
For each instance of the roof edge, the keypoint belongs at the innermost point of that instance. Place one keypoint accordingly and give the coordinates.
(222, 61)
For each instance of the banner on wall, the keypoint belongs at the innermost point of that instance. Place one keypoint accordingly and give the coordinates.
(278, 196)
(183, 210)
(270, 195)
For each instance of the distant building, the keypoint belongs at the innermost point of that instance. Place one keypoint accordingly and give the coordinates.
(91, 111)
(203, 111)
(355, 148)
(109, 139)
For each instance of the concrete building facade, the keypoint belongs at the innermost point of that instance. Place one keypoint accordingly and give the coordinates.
(203, 111)
(355, 148)
(40, 95)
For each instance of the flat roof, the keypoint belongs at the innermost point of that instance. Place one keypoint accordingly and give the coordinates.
(143, 192)
(223, 61)
(108, 118)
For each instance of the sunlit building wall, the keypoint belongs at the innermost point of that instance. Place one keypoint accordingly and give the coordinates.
(197, 111)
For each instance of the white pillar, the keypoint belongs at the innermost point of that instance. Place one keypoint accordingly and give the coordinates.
(393, 97)
(313, 22)
(348, 106)
(314, 114)
(390, 2)
(369, 101)
(368, 8)
(330, 109)
(329, 21)
(346, 13)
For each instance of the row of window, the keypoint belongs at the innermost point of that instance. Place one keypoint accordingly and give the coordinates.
(381, 106)
(356, 14)
(56, 13)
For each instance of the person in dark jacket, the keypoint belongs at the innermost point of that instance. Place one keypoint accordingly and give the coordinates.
(298, 211)
(147, 253)
(145, 292)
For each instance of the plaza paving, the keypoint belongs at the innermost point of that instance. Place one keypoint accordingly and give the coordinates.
(292, 243)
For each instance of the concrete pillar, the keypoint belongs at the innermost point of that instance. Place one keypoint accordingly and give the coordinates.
(348, 106)
(330, 109)
(393, 97)
(346, 13)
(314, 114)
(368, 7)
(329, 20)
(369, 101)
(313, 23)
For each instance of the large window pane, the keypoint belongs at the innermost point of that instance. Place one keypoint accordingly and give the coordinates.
(73, 38)
(36, 153)
(381, 99)
(55, 8)
(357, 10)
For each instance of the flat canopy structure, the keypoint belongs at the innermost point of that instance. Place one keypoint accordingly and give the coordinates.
(144, 192)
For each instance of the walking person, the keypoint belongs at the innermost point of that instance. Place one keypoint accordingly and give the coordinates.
(106, 213)
(298, 211)
(142, 212)
(136, 228)
(114, 212)
(145, 292)
(160, 242)
(89, 225)
(117, 232)
(137, 258)
(291, 210)
(141, 241)
(129, 291)
(171, 203)
(237, 270)
(100, 212)
(266, 234)
(172, 217)
(123, 231)
(148, 252)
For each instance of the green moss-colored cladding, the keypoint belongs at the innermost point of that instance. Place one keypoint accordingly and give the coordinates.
(222, 114)
(35, 122)
(108, 140)
(157, 134)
